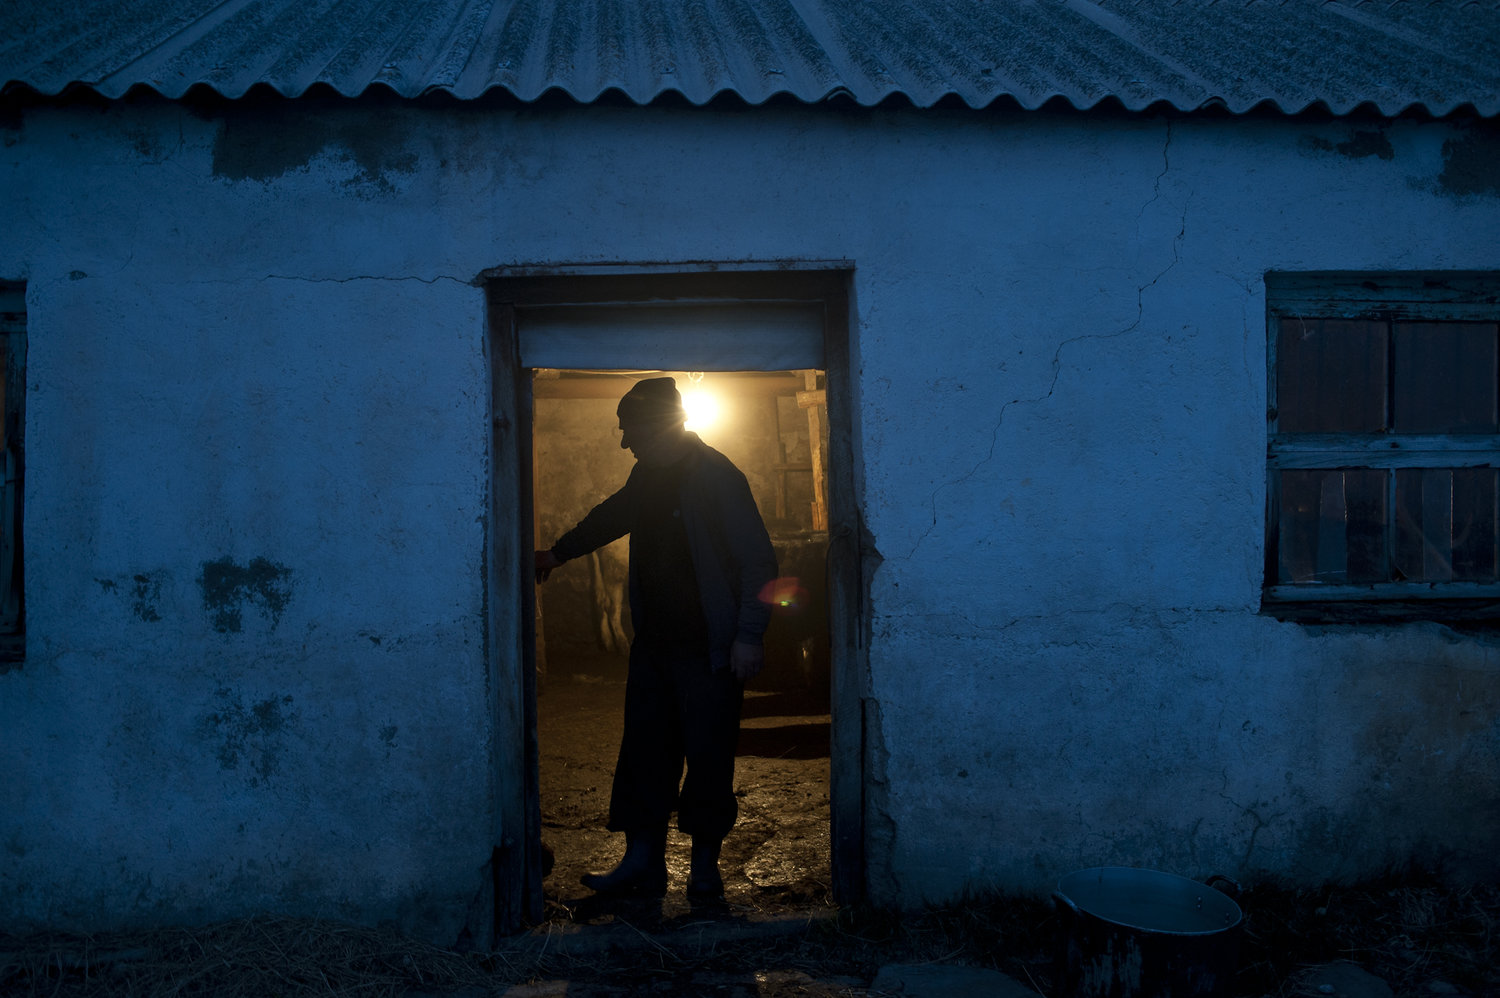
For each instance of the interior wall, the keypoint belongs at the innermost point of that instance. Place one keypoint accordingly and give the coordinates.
(579, 462)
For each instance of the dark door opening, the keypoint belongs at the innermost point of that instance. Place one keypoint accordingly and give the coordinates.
(773, 426)
(782, 318)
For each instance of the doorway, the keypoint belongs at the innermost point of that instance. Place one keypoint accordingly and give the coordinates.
(774, 343)
(773, 426)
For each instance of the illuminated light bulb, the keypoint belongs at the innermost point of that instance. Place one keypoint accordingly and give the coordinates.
(702, 408)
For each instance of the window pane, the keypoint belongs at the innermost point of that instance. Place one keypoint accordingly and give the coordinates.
(1365, 491)
(1297, 541)
(1330, 375)
(1333, 526)
(1446, 524)
(1474, 525)
(1444, 377)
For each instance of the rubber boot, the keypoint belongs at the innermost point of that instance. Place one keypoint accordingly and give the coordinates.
(642, 872)
(704, 881)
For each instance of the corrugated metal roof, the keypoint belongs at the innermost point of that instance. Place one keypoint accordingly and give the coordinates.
(1189, 54)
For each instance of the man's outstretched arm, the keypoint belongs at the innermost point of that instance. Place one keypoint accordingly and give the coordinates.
(606, 522)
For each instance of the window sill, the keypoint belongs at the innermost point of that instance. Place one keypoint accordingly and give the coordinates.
(1370, 604)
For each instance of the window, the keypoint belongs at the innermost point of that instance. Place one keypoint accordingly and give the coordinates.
(12, 450)
(1384, 440)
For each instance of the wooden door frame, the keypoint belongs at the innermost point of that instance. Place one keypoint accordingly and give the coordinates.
(511, 592)
(515, 870)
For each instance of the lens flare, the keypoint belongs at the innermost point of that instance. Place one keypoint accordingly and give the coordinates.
(784, 594)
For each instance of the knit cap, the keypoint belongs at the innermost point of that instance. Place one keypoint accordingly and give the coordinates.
(652, 401)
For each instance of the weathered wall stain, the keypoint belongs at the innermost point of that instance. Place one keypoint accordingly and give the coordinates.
(145, 594)
(147, 143)
(263, 144)
(1471, 165)
(227, 587)
(255, 735)
(1358, 146)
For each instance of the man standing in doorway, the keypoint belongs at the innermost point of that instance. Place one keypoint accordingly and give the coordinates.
(700, 559)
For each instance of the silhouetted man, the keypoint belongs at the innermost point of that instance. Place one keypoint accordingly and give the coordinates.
(700, 558)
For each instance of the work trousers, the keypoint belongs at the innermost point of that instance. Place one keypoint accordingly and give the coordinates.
(677, 710)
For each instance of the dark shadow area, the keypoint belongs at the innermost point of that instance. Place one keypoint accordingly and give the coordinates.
(783, 703)
(789, 741)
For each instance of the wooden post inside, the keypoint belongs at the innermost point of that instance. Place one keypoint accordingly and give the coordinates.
(813, 400)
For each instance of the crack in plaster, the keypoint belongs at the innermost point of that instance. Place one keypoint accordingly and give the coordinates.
(359, 277)
(1251, 813)
(83, 275)
(1140, 309)
(1166, 164)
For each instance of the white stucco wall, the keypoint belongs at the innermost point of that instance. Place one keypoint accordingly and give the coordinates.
(256, 345)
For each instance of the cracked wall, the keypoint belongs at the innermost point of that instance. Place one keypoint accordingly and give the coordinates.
(1078, 575)
(259, 398)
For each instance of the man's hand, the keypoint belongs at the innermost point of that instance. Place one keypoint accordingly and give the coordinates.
(746, 660)
(545, 561)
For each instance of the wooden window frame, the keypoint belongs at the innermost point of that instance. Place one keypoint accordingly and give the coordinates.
(1389, 297)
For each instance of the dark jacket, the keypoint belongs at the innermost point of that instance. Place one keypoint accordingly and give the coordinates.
(732, 554)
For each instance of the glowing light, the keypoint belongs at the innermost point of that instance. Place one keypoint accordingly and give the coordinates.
(784, 594)
(702, 408)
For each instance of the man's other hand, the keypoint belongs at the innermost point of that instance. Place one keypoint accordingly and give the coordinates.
(546, 561)
(746, 660)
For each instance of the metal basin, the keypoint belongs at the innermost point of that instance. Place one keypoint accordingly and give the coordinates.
(1132, 933)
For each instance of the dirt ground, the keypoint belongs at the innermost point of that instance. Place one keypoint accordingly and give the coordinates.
(775, 861)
